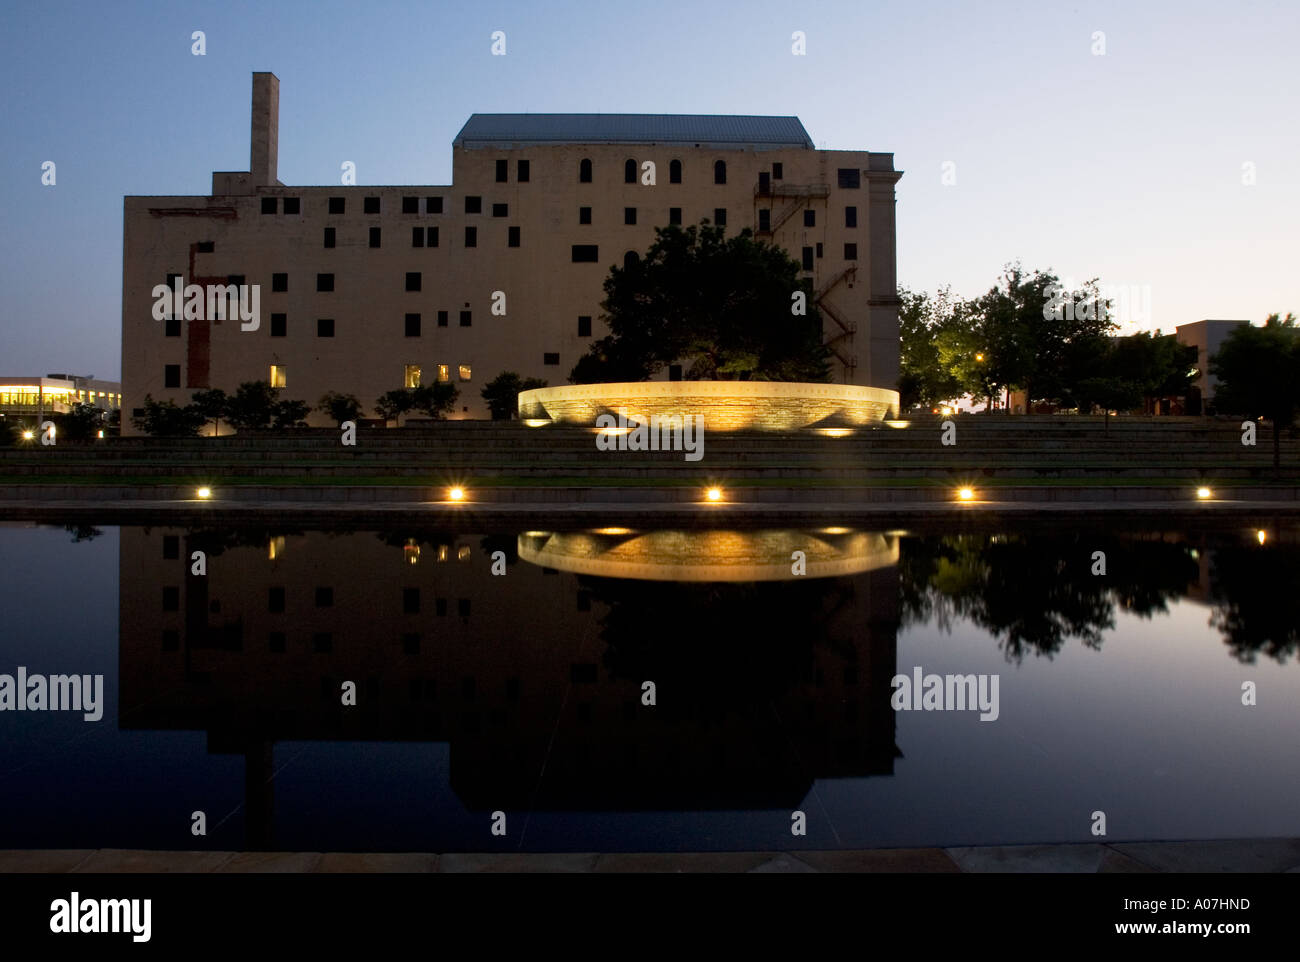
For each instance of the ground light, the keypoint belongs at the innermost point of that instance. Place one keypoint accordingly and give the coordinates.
(1260, 536)
(1204, 493)
(456, 494)
(713, 494)
(965, 494)
(28, 435)
(203, 493)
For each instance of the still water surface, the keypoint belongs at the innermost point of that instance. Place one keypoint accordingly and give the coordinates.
(524, 692)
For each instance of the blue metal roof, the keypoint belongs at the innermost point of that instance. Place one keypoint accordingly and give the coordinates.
(713, 130)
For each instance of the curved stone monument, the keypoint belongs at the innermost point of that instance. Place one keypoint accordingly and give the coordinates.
(724, 405)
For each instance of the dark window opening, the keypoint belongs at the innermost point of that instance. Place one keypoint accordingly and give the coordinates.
(374, 237)
(629, 215)
(325, 282)
(371, 205)
(778, 170)
(720, 216)
(473, 205)
(674, 215)
(471, 237)
(329, 236)
(819, 250)
(275, 600)
(500, 210)
(764, 219)
(293, 205)
(513, 237)
(550, 359)
(503, 171)
(325, 327)
(279, 283)
(442, 318)
(410, 205)
(585, 253)
(584, 325)
(807, 258)
(268, 205)
(674, 372)
(412, 325)
(584, 171)
(324, 597)
(720, 172)
(630, 260)
(584, 215)
(172, 375)
(171, 545)
(413, 280)
(431, 237)
(207, 247)
(466, 318)
(278, 325)
(173, 328)
(850, 217)
(171, 600)
(850, 177)
(433, 205)
(410, 601)
(521, 171)
(629, 171)
(675, 172)
(810, 218)
(417, 236)
(850, 252)
(337, 205)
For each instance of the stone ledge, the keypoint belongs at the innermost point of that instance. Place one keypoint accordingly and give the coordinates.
(1233, 855)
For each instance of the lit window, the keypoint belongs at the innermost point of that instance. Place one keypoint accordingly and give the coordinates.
(412, 378)
(464, 372)
(278, 378)
(444, 372)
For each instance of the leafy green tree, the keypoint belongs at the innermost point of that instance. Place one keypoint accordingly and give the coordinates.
(434, 399)
(340, 407)
(253, 406)
(502, 393)
(212, 404)
(1028, 327)
(290, 414)
(391, 405)
(1259, 373)
(720, 306)
(933, 340)
(165, 419)
(83, 421)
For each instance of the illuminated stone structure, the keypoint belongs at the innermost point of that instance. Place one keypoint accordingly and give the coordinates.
(724, 405)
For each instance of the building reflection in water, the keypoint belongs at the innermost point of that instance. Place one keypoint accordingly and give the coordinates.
(765, 681)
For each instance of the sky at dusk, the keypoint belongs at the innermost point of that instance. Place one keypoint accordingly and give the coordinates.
(1129, 166)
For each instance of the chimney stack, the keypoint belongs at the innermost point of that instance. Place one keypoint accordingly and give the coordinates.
(264, 142)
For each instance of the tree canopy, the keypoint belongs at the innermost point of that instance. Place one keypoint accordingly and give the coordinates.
(724, 308)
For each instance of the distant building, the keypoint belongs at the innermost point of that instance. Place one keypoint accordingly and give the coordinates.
(364, 289)
(55, 394)
(1207, 337)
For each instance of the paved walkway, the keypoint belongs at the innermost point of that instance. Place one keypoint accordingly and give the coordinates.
(1239, 855)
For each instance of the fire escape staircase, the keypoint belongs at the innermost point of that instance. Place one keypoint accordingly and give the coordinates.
(846, 330)
(800, 194)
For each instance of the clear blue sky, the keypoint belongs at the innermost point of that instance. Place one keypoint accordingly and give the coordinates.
(1126, 166)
